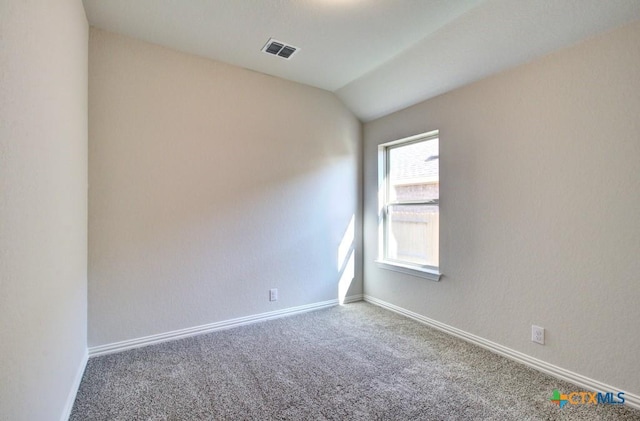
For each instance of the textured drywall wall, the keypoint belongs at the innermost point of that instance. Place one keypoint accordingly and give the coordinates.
(43, 205)
(540, 197)
(208, 185)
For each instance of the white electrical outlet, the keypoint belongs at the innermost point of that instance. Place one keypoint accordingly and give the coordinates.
(273, 294)
(537, 334)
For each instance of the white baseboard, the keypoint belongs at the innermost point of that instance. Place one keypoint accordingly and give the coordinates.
(353, 298)
(555, 371)
(71, 397)
(211, 327)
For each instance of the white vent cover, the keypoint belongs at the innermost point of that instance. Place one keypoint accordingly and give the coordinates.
(280, 49)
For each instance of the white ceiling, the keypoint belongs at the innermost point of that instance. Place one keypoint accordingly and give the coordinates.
(378, 56)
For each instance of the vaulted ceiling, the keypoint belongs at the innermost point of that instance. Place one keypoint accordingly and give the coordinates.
(378, 56)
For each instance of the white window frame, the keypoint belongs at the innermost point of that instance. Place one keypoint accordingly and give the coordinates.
(423, 271)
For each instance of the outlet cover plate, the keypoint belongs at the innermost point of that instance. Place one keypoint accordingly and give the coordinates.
(537, 334)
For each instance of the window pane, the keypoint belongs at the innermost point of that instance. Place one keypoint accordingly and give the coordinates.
(413, 171)
(413, 234)
(412, 231)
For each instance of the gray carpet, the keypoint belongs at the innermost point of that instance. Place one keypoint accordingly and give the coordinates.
(353, 362)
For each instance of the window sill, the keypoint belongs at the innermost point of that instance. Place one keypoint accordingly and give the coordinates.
(430, 274)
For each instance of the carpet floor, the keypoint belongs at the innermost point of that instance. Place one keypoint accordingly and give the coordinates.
(352, 362)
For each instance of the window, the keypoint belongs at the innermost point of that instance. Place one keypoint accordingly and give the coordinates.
(409, 193)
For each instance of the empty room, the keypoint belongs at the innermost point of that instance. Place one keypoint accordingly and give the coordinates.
(319, 210)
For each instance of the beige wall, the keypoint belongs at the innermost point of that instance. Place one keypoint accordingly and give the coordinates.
(540, 197)
(43, 206)
(209, 184)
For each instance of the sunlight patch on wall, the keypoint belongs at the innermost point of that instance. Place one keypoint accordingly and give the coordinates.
(346, 260)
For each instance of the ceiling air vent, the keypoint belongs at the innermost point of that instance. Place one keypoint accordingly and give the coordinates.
(280, 49)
